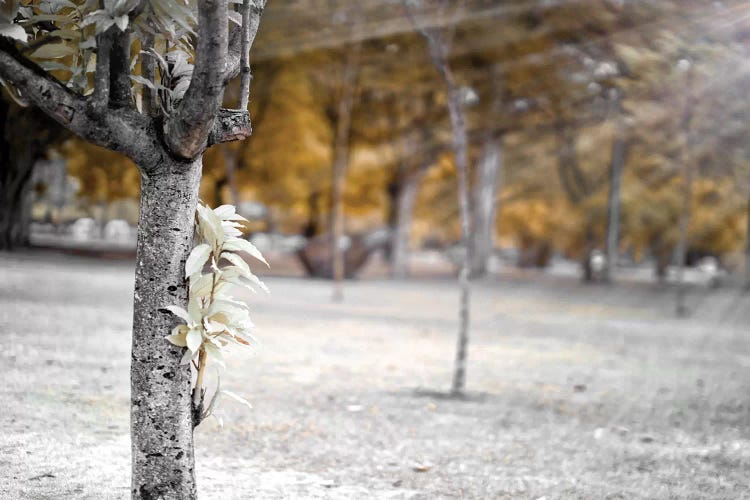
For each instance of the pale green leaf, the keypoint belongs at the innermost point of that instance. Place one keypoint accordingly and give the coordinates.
(194, 310)
(178, 339)
(53, 51)
(210, 226)
(225, 211)
(240, 245)
(201, 287)
(193, 339)
(187, 357)
(214, 354)
(237, 398)
(197, 259)
(179, 312)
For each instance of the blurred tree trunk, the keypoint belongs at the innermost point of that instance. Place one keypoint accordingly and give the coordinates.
(405, 199)
(340, 162)
(577, 189)
(619, 151)
(231, 158)
(663, 259)
(485, 188)
(747, 248)
(484, 207)
(438, 44)
(687, 196)
(589, 245)
(25, 134)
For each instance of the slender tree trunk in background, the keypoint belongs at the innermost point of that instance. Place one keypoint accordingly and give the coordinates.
(24, 136)
(15, 202)
(340, 161)
(613, 200)
(405, 201)
(455, 109)
(230, 168)
(438, 46)
(576, 187)
(393, 189)
(587, 274)
(687, 196)
(747, 248)
(161, 412)
(484, 207)
(485, 187)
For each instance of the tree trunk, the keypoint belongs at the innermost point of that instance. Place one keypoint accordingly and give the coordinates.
(231, 158)
(340, 162)
(747, 248)
(24, 136)
(484, 208)
(460, 145)
(401, 230)
(161, 412)
(15, 203)
(589, 245)
(613, 204)
(687, 196)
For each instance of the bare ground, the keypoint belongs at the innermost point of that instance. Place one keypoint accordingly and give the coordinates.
(575, 391)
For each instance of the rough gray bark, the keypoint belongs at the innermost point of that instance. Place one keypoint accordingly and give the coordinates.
(187, 129)
(161, 413)
(438, 46)
(484, 207)
(245, 55)
(340, 162)
(613, 199)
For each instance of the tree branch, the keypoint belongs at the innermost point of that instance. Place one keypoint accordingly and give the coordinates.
(119, 70)
(234, 57)
(148, 71)
(187, 130)
(124, 131)
(245, 56)
(230, 125)
(100, 99)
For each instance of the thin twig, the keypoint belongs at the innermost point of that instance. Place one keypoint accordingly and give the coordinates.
(245, 75)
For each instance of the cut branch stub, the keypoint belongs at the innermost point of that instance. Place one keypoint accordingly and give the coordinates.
(230, 125)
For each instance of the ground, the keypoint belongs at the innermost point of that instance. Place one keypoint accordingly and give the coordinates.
(574, 391)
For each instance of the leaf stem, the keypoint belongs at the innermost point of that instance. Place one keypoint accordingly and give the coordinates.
(197, 392)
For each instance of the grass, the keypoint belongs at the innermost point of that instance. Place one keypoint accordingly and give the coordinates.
(573, 391)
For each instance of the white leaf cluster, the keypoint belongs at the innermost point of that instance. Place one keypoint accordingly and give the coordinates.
(214, 318)
(176, 71)
(63, 36)
(115, 13)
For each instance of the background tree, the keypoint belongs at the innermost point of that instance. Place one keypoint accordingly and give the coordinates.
(438, 42)
(25, 135)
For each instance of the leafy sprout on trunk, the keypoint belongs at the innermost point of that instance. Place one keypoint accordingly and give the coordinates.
(214, 318)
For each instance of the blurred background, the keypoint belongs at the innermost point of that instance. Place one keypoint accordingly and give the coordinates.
(573, 108)
(609, 199)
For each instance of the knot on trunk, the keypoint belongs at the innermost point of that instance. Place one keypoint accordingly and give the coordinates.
(230, 125)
